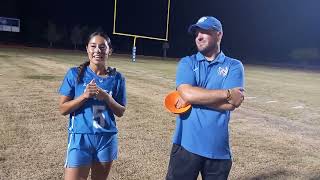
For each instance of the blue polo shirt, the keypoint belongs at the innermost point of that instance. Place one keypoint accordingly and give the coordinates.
(204, 131)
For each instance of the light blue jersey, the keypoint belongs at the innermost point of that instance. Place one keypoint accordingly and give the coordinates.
(204, 131)
(94, 116)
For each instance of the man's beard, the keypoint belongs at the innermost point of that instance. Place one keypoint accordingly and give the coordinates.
(208, 49)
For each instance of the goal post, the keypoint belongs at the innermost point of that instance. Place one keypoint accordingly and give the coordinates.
(137, 35)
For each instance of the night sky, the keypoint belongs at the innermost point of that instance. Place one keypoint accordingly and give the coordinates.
(253, 29)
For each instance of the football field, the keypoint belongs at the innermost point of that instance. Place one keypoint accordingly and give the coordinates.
(275, 134)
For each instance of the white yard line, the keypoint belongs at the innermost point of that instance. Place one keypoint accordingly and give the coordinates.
(271, 102)
(251, 97)
(298, 107)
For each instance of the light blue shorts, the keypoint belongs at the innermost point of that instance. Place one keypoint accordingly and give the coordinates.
(85, 149)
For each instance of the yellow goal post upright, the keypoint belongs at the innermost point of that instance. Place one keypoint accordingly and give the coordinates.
(135, 36)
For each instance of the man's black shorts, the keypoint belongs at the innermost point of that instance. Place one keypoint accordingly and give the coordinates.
(185, 165)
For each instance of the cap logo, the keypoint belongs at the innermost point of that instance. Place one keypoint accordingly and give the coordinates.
(202, 19)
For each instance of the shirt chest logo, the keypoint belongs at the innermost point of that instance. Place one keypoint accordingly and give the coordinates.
(223, 71)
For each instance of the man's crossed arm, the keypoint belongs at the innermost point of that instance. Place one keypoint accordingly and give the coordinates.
(214, 99)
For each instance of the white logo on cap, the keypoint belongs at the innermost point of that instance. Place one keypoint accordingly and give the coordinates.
(202, 19)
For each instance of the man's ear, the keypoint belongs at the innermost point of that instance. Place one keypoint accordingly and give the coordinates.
(220, 34)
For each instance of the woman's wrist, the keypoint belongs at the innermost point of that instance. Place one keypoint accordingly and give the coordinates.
(107, 98)
(83, 97)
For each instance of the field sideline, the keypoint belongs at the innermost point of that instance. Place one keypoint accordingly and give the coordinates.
(275, 134)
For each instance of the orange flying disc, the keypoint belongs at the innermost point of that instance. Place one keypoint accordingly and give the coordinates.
(170, 102)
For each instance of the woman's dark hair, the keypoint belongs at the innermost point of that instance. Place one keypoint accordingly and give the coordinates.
(85, 64)
(102, 34)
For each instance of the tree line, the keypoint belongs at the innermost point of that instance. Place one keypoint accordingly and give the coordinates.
(77, 35)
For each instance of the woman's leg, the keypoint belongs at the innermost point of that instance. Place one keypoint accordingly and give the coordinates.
(100, 171)
(79, 173)
(78, 157)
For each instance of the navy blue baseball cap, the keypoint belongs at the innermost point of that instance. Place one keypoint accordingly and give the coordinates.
(207, 23)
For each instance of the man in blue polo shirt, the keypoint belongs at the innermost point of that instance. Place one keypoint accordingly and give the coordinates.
(213, 83)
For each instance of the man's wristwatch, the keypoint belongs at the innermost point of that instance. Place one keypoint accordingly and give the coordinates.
(228, 95)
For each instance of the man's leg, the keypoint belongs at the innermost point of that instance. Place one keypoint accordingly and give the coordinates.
(183, 164)
(216, 169)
